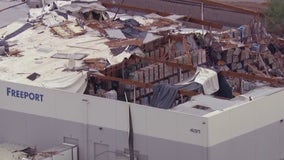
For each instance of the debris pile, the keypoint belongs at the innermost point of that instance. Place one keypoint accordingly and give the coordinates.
(22, 152)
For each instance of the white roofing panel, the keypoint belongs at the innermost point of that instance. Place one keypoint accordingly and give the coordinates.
(175, 17)
(151, 37)
(143, 20)
(189, 30)
(161, 29)
(153, 15)
(37, 46)
(119, 58)
(115, 33)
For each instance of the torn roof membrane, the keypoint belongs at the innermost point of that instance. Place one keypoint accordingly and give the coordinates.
(60, 48)
(53, 34)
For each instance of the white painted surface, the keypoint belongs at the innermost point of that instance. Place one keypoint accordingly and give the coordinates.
(148, 121)
(107, 113)
(243, 119)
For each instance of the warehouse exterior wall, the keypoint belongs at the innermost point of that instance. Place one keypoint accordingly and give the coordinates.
(98, 125)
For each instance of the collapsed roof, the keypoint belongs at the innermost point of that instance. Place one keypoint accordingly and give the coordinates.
(81, 47)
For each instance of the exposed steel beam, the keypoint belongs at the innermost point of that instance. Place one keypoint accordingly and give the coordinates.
(188, 93)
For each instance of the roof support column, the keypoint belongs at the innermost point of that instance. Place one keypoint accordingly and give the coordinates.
(202, 16)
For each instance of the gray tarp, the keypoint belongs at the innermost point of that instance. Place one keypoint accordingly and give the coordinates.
(164, 95)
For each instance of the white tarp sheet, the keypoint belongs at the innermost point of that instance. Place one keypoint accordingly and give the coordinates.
(208, 79)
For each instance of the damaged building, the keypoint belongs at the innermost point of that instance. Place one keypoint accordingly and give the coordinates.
(141, 86)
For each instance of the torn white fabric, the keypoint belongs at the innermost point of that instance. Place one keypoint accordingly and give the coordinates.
(52, 19)
(143, 21)
(208, 79)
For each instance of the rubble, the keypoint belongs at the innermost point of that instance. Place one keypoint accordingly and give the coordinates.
(68, 30)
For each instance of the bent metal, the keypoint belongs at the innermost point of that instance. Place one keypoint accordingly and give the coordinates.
(24, 95)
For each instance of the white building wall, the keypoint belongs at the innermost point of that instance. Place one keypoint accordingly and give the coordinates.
(147, 121)
(253, 131)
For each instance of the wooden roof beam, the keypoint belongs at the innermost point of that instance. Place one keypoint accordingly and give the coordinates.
(225, 73)
(123, 81)
(252, 77)
(140, 84)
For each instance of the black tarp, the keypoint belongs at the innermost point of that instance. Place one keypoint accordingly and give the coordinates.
(225, 90)
(272, 48)
(130, 30)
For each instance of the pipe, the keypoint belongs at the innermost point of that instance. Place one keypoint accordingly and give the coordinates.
(131, 136)
(118, 10)
(202, 16)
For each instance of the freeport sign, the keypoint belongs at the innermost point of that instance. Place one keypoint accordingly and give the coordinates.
(24, 94)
